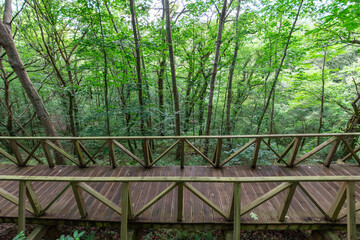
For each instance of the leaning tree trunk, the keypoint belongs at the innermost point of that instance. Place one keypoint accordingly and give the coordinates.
(7, 42)
(214, 72)
(279, 69)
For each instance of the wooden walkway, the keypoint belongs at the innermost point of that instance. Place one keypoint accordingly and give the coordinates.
(302, 213)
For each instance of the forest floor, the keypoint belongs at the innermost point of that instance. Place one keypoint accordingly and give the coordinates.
(9, 230)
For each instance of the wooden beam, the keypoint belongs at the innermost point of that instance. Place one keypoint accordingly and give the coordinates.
(154, 200)
(294, 151)
(87, 153)
(79, 154)
(237, 210)
(30, 153)
(270, 194)
(286, 203)
(243, 148)
(288, 148)
(330, 156)
(280, 159)
(314, 202)
(351, 214)
(14, 199)
(182, 153)
(205, 200)
(351, 150)
(338, 202)
(79, 199)
(164, 153)
(315, 150)
(199, 152)
(33, 199)
(217, 153)
(124, 215)
(256, 152)
(47, 154)
(55, 199)
(61, 151)
(38, 233)
(180, 202)
(17, 153)
(21, 208)
(112, 156)
(8, 156)
(125, 150)
(100, 197)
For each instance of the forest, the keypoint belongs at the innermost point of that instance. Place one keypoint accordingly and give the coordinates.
(132, 68)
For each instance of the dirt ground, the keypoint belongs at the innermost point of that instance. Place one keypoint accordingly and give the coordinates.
(9, 230)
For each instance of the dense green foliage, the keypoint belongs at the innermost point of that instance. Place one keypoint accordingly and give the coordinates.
(73, 49)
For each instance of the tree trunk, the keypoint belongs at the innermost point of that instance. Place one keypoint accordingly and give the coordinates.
(172, 68)
(279, 69)
(214, 72)
(231, 72)
(7, 42)
(138, 67)
(322, 96)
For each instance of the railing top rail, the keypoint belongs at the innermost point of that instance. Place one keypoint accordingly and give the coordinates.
(183, 137)
(183, 179)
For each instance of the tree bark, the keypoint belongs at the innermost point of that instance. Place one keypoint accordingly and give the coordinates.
(138, 67)
(322, 96)
(7, 42)
(214, 72)
(279, 69)
(172, 68)
(231, 72)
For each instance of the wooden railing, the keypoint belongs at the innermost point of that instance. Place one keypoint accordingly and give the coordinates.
(287, 184)
(81, 156)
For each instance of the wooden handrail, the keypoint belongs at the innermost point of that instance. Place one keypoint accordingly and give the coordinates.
(234, 213)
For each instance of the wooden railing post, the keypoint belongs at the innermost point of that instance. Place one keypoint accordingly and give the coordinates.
(182, 153)
(351, 212)
(17, 153)
(112, 156)
(124, 211)
(79, 199)
(146, 153)
(332, 152)
(289, 193)
(217, 153)
(180, 201)
(294, 151)
(47, 153)
(22, 205)
(79, 153)
(256, 152)
(237, 210)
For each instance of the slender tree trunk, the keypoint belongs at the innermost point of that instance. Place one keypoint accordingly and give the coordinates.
(161, 95)
(231, 73)
(172, 68)
(138, 67)
(279, 69)
(214, 72)
(7, 42)
(322, 96)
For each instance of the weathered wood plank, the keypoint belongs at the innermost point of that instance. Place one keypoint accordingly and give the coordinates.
(164, 153)
(154, 200)
(125, 211)
(38, 233)
(265, 197)
(205, 200)
(237, 210)
(21, 208)
(256, 152)
(351, 150)
(8, 156)
(351, 213)
(217, 153)
(317, 205)
(243, 148)
(33, 199)
(315, 150)
(294, 151)
(100, 197)
(338, 202)
(16, 152)
(79, 154)
(55, 199)
(180, 202)
(30, 153)
(112, 155)
(79, 199)
(128, 152)
(331, 154)
(199, 152)
(287, 201)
